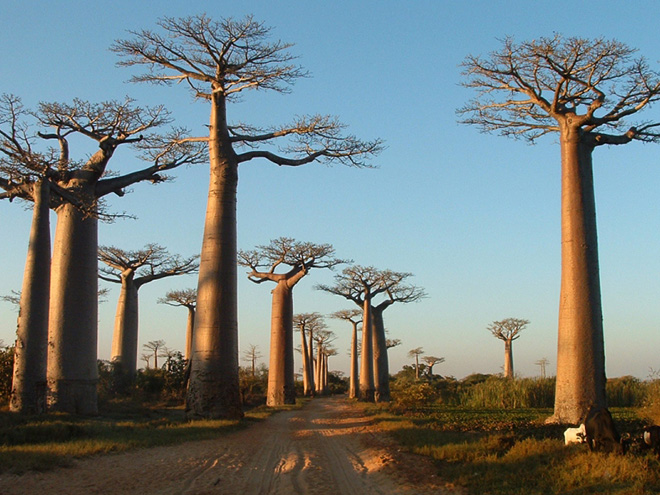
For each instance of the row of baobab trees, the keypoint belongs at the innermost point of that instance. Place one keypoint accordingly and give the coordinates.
(585, 91)
(57, 335)
(284, 261)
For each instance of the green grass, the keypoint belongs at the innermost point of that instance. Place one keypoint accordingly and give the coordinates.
(511, 452)
(53, 440)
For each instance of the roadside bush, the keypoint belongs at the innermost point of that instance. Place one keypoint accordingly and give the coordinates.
(650, 409)
(6, 372)
(337, 383)
(412, 396)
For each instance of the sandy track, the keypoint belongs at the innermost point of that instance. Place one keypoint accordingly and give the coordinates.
(328, 447)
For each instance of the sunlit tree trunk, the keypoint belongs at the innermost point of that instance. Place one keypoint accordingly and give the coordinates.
(318, 379)
(508, 358)
(354, 384)
(381, 363)
(312, 373)
(367, 388)
(304, 351)
(189, 331)
(72, 339)
(28, 393)
(213, 390)
(324, 361)
(125, 336)
(281, 388)
(581, 350)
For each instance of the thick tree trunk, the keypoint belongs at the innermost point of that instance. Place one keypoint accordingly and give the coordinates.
(125, 336)
(354, 384)
(581, 349)
(381, 364)
(508, 358)
(28, 393)
(306, 372)
(213, 391)
(281, 389)
(367, 363)
(72, 340)
(189, 332)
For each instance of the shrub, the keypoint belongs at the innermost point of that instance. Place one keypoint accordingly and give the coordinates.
(414, 396)
(6, 372)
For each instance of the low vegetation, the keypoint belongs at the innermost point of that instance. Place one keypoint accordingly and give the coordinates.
(487, 435)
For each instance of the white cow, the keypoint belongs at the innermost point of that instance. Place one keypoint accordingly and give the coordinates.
(575, 435)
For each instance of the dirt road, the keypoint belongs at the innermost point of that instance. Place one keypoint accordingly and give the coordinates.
(328, 447)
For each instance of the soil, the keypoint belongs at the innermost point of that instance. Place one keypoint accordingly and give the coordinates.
(328, 447)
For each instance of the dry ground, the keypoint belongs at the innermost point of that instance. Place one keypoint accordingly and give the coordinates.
(328, 447)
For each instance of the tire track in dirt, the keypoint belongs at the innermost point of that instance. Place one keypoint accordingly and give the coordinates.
(327, 447)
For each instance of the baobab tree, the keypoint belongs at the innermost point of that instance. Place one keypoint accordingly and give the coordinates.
(28, 174)
(186, 298)
(396, 291)
(308, 324)
(508, 330)
(72, 340)
(133, 269)
(297, 259)
(543, 362)
(251, 355)
(218, 61)
(354, 316)
(155, 348)
(415, 353)
(323, 339)
(431, 361)
(363, 285)
(586, 91)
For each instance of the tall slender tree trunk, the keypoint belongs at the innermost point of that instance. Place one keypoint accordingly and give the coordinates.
(72, 340)
(312, 374)
(381, 363)
(190, 324)
(213, 390)
(354, 384)
(28, 393)
(281, 389)
(508, 358)
(125, 336)
(324, 375)
(367, 388)
(304, 351)
(318, 379)
(581, 348)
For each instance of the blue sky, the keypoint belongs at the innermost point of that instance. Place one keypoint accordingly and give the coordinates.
(474, 216)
